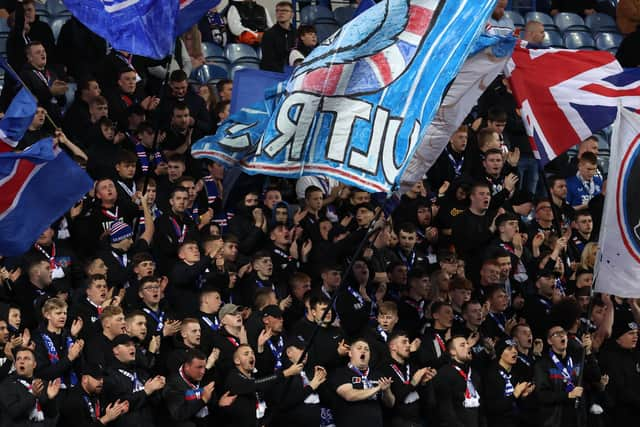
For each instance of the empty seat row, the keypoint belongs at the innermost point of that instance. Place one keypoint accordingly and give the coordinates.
(583, 40)
(562, 22)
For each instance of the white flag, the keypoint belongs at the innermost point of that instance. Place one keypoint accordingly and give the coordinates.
(618, 265)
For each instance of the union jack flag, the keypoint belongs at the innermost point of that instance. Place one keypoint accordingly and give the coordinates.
(567, 95)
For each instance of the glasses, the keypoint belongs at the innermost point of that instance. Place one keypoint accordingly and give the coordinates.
(559, 334)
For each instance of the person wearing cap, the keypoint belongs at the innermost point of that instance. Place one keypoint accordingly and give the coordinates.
(456, 386)
(28, 401)
(270, 343)
(249, 408)
(188, 401)
(621, 361)
(409, 384)
(228, 338)
(84, 407)
(126, 381)
(361, 389)
(502, 392)
(117, 256)
(556, 380)
(299, 401)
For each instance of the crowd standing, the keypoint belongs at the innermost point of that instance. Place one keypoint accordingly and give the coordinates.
(163, 298)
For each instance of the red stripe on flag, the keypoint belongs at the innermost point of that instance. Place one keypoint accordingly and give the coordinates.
(419, 19)
(611, 92)
(324, 80)
(383, 67)
(13, 184)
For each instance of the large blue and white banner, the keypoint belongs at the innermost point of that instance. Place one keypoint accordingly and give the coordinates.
(360, 104)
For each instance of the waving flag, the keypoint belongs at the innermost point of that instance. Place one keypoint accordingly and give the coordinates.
(28, 201)
(143, 27)
(18, 116)
(190, 13)
(476, 74)
(567, 95)
(360, 103)
(618, 265)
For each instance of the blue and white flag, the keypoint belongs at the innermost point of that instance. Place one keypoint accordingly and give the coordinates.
(618, 264)
(361, 102)
(29, 202)
(18, 116)
(238, 136)
(142, 27)
(190, 13)
(489, 57)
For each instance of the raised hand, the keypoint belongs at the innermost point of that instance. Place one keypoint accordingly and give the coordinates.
(53, 388)
(76, 326)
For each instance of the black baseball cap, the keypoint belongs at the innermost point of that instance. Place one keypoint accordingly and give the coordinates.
(121, 340)
(273, 311)
(94, 370)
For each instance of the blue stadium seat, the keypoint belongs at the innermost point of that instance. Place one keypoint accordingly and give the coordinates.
(325, 30)
(4, 27)
(316, 14)
(540, 17)
(566, 21)
(553, 39)
(607, 41)
(56, 25)
(599, 23)
(212, 51)
(515, 17)
(57, 8)
(243, 67)
(579, 40)
(41, 9)
(343, 14)
(210, 72)
(236, 52)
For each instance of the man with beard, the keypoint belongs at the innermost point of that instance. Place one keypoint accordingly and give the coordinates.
(361, 391)
(502, 392)
(30, 295)
(457, 386)
(83, 407)
(179, 92)
(187, 400)
(408, 385)
(27, 401)
(249, 408)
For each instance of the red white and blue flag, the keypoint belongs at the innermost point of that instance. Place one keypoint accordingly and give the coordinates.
(567, 95)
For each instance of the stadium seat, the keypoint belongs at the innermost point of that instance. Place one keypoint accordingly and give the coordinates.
(566, 21)
(4, 27)
(316, 14)
(599, 23)
(343, 14)
(57, 8)
(209, 72)
(213, 51)
(238, 52)
(606, 41)
(71, 93)
(515, 17)
(56, 25)
(545, 19)
(553, 39)
(325, 30)
(243, 67)
(579, 40)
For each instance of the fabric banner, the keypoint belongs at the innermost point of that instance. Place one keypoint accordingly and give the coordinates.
(618, 265)
(190, 13)
(567, 95)
(361, 102)
(142, 27)
(476, 74)
(28, 201)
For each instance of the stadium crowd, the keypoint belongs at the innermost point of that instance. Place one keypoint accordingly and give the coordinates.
(163, 298)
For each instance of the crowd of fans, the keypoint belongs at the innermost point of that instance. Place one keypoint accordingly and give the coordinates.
(165, 299)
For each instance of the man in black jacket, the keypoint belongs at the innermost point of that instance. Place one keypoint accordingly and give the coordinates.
(186, 399)
(82, 407)
(457, 387)
(27, 401)
(179, 92)
(126, 381)
(278, 40)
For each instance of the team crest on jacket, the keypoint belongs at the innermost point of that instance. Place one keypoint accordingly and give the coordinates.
(627, 196)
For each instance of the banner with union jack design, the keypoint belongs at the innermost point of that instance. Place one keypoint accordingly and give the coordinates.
(567, 95)
(360, 103)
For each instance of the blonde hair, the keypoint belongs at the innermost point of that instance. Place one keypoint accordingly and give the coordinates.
(53, 304)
